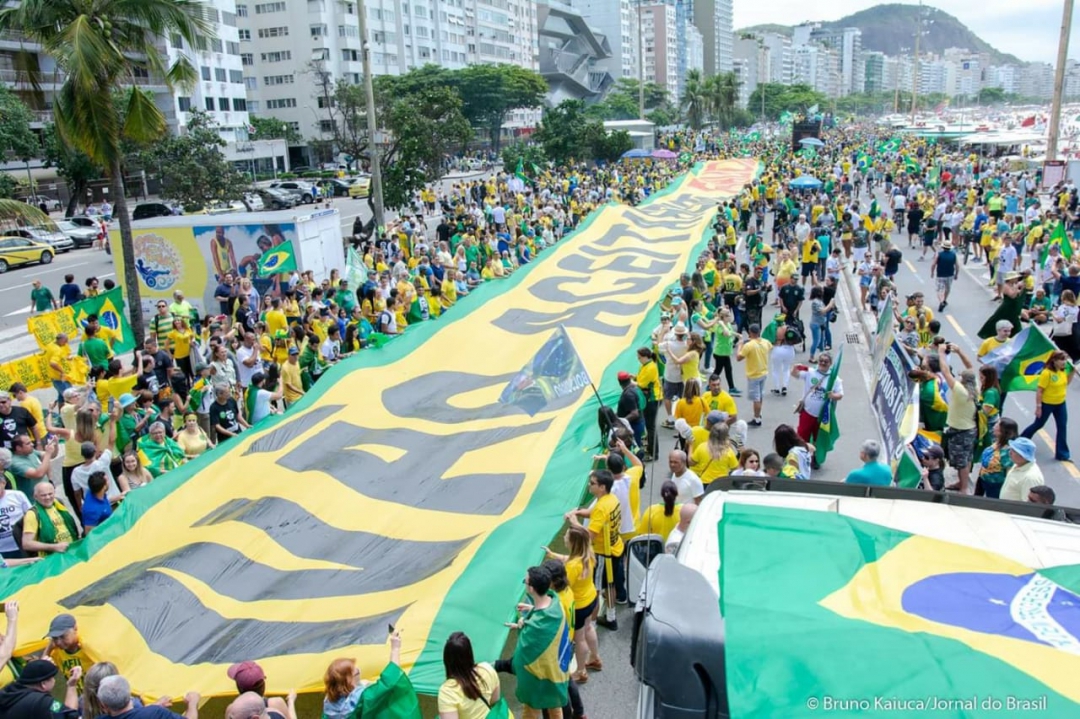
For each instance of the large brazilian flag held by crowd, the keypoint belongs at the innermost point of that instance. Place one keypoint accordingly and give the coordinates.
(829, 615)
(399, 491)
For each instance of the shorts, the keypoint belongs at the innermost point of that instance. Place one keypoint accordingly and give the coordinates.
(673, 390)
(808, 269)
(581, 616)
(944, 284)
(865, 281)
(960, 447)
(928, 240)
(997, 214)
(755, 389)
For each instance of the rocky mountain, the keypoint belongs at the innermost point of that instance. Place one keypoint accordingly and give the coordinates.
(888, 28)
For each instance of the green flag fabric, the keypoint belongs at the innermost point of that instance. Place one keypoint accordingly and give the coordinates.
(391, 697)
(811, 611)
(520, 171)
(908, 473)
(278, 260)
(1059, 238)
(355, 271)
(110, 310)
(542, 657)
(828, 429)
(1021, 360)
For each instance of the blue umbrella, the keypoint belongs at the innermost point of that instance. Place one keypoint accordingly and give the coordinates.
(806, 182)
(811, 141)
(636, 153)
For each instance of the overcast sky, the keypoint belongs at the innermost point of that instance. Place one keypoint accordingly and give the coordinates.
(1028, 29)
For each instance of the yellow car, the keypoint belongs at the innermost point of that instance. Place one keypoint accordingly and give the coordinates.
(16, 251)
(361, 187)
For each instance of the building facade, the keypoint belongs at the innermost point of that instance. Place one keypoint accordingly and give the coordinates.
(617, 21)
(571, 55)
(660, 35)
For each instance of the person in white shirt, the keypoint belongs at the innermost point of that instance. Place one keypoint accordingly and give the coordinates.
(331, 346)
(247, 359)
(814, 382)
(13, 507)
(1006, 264)
(686, 515)
(1025, 472)
(80, 475)
(691, 490)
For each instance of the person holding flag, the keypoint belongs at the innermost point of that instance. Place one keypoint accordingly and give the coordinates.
(820, 386)
(1050, 402)
(542, 656)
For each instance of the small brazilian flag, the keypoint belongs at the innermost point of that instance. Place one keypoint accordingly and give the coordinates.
(828, 429)
(278, 260)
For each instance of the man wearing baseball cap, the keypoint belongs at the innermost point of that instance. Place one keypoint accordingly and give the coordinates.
(30, 696)
(64, 648)
(250, 678)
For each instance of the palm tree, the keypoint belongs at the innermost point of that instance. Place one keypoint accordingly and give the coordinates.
(722, 91)
(694, 100)
(97, 46)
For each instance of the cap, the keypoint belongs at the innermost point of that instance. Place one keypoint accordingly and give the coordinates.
(60, 625)
(680, 329)
(294, 350)
(36, 671)
(683, 428)
(625, 376)
(247, 675)
(1023, 447)
(1012, 276)
(126, 400)
(4, 394)
(935, 452)
(716, 416)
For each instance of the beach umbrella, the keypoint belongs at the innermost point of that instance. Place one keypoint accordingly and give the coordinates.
(664, 155)
(806, 182)
(813, 141)
(629, 154)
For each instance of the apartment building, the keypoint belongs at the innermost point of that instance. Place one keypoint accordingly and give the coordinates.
(661, 50)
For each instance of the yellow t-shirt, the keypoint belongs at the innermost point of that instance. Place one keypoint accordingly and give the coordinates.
(689, 368)
(181, 343)
(33, 406)
(721, 401)
(1053, 385)
(449, 293)
(67, 661)
(453, 699)
(566, 599)
(604, 524)
(756, 354)
(581, 581)
(56, 353)
(810, 251)
(707, 468)
(648, 379)
(692, 411)
(698, 436)
(30, 525)
(989, 345)
(275, 322)
(654, 521)
(787, 270)
(290, 375)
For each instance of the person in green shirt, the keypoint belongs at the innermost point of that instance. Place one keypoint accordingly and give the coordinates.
(344, 297)
(95, 349)
(41, 298)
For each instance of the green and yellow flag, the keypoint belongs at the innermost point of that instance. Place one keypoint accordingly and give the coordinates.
(828, 429)
(542, 657)
(391, 697)
(1059, 238)
(278, 260)
(822, 597)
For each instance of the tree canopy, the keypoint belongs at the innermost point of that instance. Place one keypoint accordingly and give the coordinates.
(779, 99)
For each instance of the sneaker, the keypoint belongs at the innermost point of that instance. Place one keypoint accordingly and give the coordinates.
(783, 392)
(669, 424)
(775, 391)
(941, 306)
(612, 624)
(621, 601)
(734, 392)
(755, 422)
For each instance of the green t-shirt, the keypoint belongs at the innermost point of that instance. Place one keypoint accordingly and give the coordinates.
(723, 344)
(42, 299)
(96, 352)
(20, 464)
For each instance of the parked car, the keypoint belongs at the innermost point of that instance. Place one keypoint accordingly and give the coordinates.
(253, 202)
(80, 235)
(221, 208)
(51, 203)
(276, 199)
(84, 221)
(360, 187)
(15, 251)
(51, 236)
(336, 187)
(148, 210)
(307, 191)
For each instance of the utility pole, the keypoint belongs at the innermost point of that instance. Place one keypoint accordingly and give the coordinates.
(641, 61)
(369, 98)
(1059, 82)
(915, 73)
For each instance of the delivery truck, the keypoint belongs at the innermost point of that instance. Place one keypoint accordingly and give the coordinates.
(193, 253)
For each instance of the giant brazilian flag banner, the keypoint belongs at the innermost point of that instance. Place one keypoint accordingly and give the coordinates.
(829, 615)
(398, 491)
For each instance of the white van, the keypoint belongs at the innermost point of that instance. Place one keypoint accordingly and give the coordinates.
(678, 648)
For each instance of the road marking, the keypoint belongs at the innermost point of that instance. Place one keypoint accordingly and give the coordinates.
(25, 310)
(65, 268)
(957, 327)
(914, 272)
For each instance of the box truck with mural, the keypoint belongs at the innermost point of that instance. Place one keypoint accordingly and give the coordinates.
(191, 253)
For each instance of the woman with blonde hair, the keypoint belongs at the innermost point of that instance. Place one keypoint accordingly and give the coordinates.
(580, 566)
(715, 458)
(192, 439)
(134, 472)
(691, 406)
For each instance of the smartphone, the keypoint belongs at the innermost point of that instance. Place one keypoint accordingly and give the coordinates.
(390, 628)
(112, 403)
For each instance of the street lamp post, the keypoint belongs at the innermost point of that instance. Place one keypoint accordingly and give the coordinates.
(1059, 82)
(369, 98)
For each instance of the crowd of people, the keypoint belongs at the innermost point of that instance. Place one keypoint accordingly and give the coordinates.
(776, 262)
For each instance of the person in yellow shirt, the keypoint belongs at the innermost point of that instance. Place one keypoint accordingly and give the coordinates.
(580, 566)
(663, 517)
(786, 269)
(292, 385)
(178, 341)
(448, 292)
(64, 648)
(691, 406)
(1003, 330)
(1050, 402)
(31, 404)
(57, 355)
(715, 458)
(755, 352)
(648, 381)
(276, 319)
(605, 521)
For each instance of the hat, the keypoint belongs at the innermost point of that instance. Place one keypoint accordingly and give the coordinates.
(37, 671)
(716, 416)
(946, 245)
(683, 428)
(247, 675)
(126, 400)
(294, 350)
(935, 452)
(1023, 447)
(60, 625)
(625, 376)
(1012, 276)
(765, 249)
(680, 329)
(5, 394)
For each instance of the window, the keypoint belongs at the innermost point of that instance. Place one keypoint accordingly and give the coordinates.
(253, 105)
(386, 15)
(228, 18)
(217, 45)
(278, 80)
(245, 34)
(420, 11)
(205, 72)
(350, 55)
(324, 102)
(184, 103)
(421, 31)
(223, 104)
(316, 6)
(326, 126)
(425, 53)
(269, 7)
(266, 32)
(239, 104)
(281, 103)
(236, 77)
(241, 10)
(405, 29)
(294, 126)
(209, 103)
(219, 74)
(176, 40)
(319, 30)
(404, 8)
(247, 58)
(251, 83)
(232, 48)
(277, 56)
(348, 31)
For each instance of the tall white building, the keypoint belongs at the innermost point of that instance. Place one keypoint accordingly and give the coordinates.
(780, 57)
(616, 20)
(661, 47)
(1037, 80)
(751, 66)
(715, 21)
